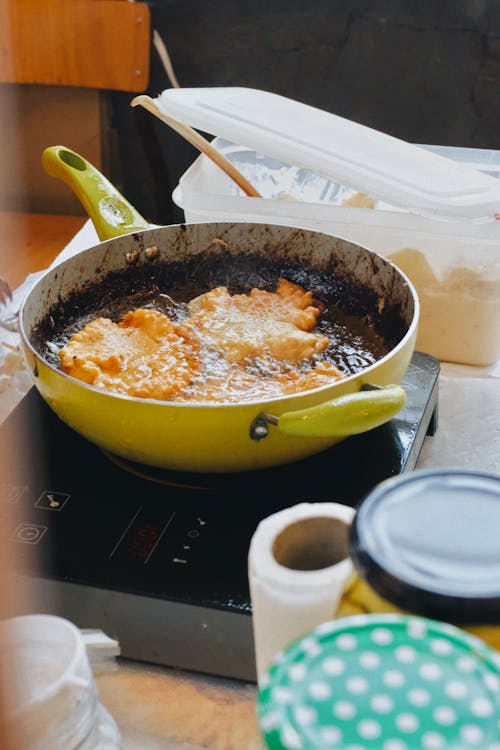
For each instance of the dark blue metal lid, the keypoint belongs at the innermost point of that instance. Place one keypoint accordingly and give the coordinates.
(429, 542)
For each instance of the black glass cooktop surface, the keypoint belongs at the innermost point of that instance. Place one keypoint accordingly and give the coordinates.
(158, 559)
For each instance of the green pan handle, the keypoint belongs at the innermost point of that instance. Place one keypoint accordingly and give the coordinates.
(346, 415)
(111, 214)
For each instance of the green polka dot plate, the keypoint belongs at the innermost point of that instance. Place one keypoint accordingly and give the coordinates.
(382, 682)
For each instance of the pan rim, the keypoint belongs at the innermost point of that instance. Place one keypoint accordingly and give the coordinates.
(214, 404)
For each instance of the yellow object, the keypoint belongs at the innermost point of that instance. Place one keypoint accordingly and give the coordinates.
(186, 437)
(209, 437)
(359, 598)
(111, 214)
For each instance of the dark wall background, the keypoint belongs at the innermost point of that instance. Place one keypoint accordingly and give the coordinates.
(427, 72)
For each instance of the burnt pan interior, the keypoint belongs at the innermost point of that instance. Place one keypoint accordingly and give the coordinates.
(367, 305)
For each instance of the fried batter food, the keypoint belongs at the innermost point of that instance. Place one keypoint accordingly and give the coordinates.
(146, 355)
(230, 348)
(259, 324)
(232, 383)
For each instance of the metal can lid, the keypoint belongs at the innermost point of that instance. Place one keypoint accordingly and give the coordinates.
(382, 682)
(428, 542)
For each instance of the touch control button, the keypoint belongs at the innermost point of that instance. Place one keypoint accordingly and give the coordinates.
(49, 500)
(28, 533)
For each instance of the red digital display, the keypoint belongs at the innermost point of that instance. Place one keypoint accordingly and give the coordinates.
(143, 541)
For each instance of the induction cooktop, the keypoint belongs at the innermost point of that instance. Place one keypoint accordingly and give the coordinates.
(158, 559)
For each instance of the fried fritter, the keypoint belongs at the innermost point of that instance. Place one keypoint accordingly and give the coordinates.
(260, 324)
(146, 355)
(230, 348)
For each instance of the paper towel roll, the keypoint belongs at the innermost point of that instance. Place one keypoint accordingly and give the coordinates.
(298, 564)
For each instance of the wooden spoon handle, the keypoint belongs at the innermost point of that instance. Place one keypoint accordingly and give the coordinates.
(197, 140)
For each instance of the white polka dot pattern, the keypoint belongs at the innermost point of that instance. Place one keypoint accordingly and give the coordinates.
(445, 715)
(455, 689)
(290, 738)
(492, 682)
(433, 741)
(282, 695)
(305, 715)
(441, 647)
(331, 735)
(430, 671)
(382, 636)
(395, 745)
(311, 647)
(382, 704)
(407, 722)
(383, 683)
(320, 690)
(369, 729)
(369, 660)
(393, 678)
(481, 707)
(466, 664)
(346, 642)
(270, 721)
(471, 734)
(344, 709)
(297, 671)
(357, 685)
(405, 654)
(417, 628)
(333, 666)
(419, 697)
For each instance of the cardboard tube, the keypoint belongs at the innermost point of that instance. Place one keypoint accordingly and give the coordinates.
(298, 564)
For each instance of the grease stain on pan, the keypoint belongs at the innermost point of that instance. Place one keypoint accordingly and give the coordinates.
(363, 329)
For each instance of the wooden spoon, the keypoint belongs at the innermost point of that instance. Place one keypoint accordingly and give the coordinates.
(197, 140)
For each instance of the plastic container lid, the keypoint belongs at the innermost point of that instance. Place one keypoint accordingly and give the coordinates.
(382, 682)
(341, 150)
(429, 542)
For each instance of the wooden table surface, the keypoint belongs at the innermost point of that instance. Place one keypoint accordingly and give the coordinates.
(30, 242)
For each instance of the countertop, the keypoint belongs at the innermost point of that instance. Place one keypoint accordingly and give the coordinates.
(30, 242)
(163, 708)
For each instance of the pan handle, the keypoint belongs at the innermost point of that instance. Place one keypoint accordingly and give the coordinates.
(111, 214)
(345, 415)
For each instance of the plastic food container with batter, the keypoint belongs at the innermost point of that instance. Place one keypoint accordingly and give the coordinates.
(431, 210)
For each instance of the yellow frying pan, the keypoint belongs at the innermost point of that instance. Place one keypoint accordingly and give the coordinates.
(213, 437)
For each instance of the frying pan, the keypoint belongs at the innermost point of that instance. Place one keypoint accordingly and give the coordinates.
(134, 256)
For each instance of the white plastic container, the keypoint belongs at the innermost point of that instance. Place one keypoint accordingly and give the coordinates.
(53, 696)
(435, 209)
